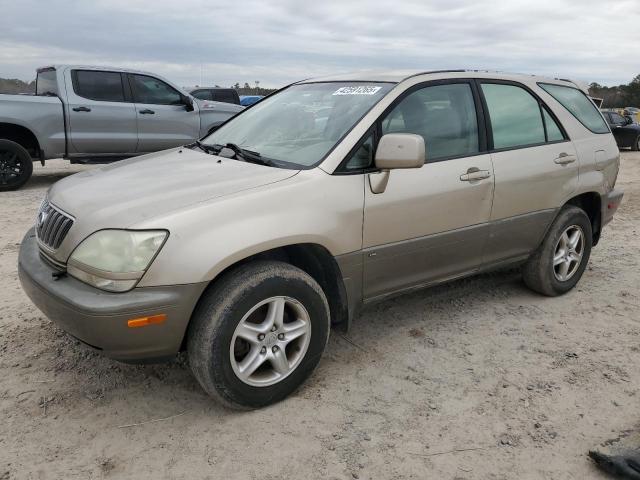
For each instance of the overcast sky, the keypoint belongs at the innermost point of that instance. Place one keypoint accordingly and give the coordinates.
(277, 42)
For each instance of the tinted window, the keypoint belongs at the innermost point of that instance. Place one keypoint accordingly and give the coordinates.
(444, 115)
(202, 94)
(578, 105)
(226, 96)
(515, 116)
(554, 133)
(46, 83)
(151, 90)
(103, 86)
(617, 119)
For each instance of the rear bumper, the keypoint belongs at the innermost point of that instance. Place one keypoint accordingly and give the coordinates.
(610, 203)
(99, 318)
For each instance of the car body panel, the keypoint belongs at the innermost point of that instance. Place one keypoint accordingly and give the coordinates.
(150, 186)
(426, 226)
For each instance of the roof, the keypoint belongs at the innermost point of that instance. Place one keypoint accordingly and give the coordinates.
(398, 76)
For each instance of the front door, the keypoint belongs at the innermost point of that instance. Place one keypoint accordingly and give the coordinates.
(163, 120)
(102, 118)
(430, 224)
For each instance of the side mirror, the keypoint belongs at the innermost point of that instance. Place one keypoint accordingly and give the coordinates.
(188, 103)
(400, 150)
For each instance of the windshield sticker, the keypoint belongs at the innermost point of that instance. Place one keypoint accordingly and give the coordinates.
(362, 90)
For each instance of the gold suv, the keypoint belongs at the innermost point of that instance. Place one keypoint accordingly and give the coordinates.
(244, 247)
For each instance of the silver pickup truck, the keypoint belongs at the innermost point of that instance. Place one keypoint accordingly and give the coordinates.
(98, 114)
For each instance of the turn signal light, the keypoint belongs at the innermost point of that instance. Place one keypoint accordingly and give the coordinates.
(144, 321)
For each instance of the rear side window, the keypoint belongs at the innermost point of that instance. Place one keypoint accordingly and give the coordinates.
(444, 115)
(46, 83)
(153, 91)
(95, 85)
(516, 119)
(226, 96)
(578, 105)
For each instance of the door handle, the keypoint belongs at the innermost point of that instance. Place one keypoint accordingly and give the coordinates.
(146, 111)
(474, 174)
(81, 109)
(565, 158)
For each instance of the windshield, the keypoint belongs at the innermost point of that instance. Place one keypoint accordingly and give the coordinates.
(302, 124)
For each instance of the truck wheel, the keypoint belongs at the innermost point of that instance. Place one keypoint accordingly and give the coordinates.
(16, 165)
(257, 334)
(559, 262)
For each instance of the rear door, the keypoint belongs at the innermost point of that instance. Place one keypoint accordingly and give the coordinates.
(163, 120)
(535, 165)
(430, 224)
(102, 117)
(624, 133)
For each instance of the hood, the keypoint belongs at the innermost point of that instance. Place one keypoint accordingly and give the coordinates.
(122, 194)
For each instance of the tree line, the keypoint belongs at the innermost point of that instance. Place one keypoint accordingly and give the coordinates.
(618, 97)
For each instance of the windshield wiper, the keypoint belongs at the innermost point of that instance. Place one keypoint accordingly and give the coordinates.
(205, 148)
(244, 154)
(240, 153)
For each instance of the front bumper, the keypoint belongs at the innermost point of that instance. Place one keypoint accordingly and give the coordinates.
(99, 318)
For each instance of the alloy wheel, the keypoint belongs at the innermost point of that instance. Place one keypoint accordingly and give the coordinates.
(270, 341)
(568, 253)
(11, 167)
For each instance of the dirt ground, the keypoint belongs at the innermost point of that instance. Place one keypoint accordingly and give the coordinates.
(481, 379)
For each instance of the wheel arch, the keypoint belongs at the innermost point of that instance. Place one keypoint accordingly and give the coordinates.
(22, 136)
(315, 260)
(591, 204)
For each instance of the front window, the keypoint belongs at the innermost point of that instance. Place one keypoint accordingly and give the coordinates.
(299, 126)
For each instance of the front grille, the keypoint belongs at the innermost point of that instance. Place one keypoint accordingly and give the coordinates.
(52, 225)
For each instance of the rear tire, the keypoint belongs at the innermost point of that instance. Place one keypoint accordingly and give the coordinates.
(558, 264)
(267, 315)
(16, 165)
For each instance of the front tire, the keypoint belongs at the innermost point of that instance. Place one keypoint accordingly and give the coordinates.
(16, 165)
(257, 334)
(559, 262)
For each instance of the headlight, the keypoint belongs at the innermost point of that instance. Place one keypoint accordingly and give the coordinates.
(115, 260)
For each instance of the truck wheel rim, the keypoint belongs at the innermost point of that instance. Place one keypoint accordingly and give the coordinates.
(568, 253)
(10, 167)
(270, 341)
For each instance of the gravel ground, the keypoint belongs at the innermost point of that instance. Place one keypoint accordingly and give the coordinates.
(478, 379)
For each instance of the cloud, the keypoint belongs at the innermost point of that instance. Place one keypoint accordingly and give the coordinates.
(277, 42)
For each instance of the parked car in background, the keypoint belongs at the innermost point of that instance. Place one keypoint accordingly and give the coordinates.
(625, 131)
(247, 100)
(86, 113)
(216, 94)
(243, 248)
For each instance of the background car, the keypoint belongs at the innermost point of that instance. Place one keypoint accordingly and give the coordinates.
(626, 133)
(247, 100)
(216, 94)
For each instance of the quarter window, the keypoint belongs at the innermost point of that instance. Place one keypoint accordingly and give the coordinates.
(577, 103)
(444, 115)
(151, 90)
(554, 134)
(362, 158)
(96, 85)
(515, 116)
